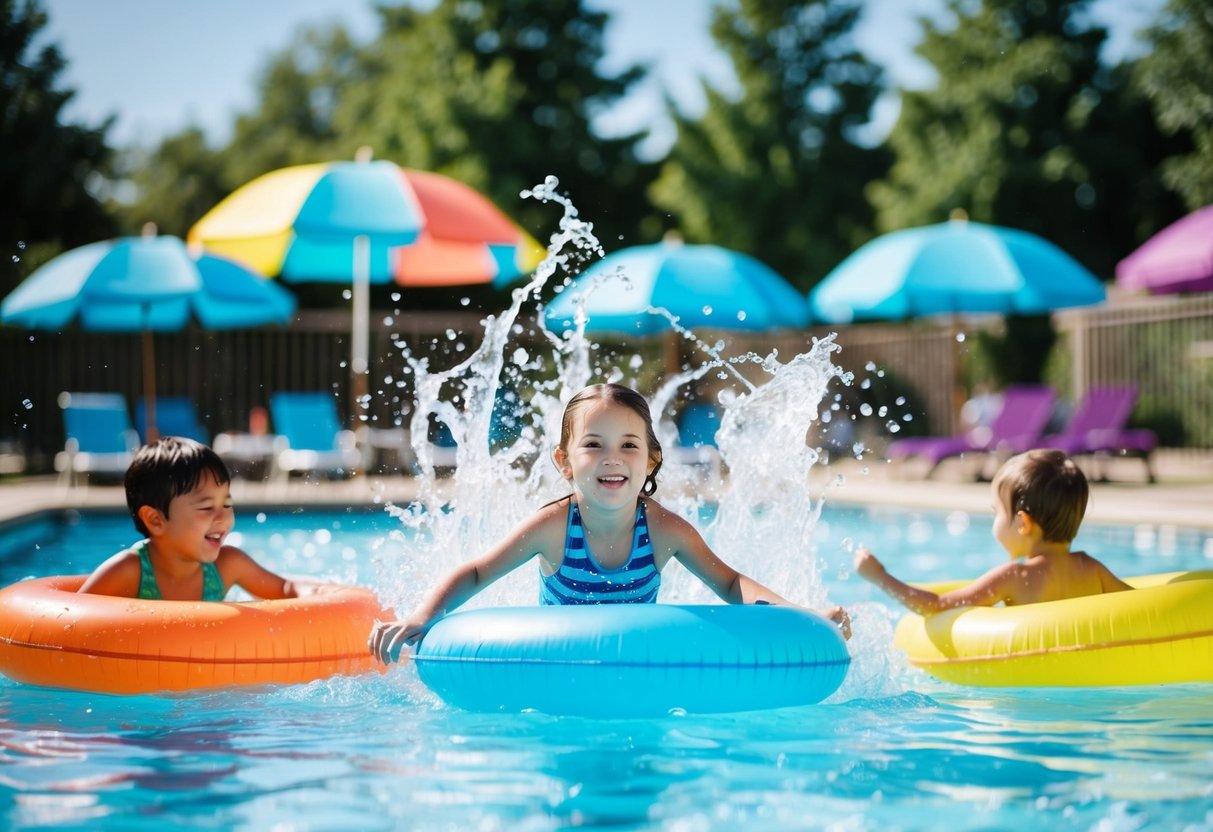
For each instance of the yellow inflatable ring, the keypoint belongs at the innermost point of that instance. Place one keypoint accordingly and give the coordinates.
(1161, 632)
(52, 636)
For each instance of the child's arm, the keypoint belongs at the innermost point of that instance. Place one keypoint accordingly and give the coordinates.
(118, 576)
(986, 591)
(732, 586)
(460, 584)
(239, 569)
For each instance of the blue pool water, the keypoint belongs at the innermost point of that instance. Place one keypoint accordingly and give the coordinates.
(893, 749)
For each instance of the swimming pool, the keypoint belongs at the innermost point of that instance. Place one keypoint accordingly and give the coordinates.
(893, 749)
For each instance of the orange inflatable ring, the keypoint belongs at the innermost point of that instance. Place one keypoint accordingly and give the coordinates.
(52, 636)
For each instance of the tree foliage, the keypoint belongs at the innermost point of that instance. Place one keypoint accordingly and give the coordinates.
(1017, 132)
(1177, 76)
(47, 164)
(779, 171)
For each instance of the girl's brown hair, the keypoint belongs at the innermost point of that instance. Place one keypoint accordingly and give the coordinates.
(627, 397)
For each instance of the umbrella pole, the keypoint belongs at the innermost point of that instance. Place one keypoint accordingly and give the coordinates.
(149, 385)
(359, 337)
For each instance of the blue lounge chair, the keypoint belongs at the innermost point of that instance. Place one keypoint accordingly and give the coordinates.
(1026, 410)
(99, 437)
(175, 416)
(309, 438)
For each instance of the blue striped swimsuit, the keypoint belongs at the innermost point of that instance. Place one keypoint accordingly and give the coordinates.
(580, 580)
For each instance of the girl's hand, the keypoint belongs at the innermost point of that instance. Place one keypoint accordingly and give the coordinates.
(389, 638)
(839, 616)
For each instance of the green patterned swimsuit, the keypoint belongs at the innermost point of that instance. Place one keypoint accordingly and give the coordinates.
(212, 583)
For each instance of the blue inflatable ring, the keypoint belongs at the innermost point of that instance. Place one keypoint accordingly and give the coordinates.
(632, 659)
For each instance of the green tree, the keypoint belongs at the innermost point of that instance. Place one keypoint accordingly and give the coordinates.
(501, 94)
(1026, 128)
(174, 184)
(1177, 77)
(780, 171)
(49, 168)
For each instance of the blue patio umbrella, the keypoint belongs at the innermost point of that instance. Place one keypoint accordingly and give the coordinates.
(144, 284)
(955, 267)
(704, 286)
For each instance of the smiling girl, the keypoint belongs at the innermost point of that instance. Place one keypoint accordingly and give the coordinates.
(605, 543)
(179, 495)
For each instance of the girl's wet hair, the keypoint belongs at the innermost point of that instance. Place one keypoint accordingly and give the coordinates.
(627, 397)
(1048, 486)
(167, 468)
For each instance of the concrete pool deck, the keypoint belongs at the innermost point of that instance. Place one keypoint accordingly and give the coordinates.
(1182, 496)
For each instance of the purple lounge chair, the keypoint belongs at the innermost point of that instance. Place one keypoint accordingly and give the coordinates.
(1026, 409)
(1097, 426)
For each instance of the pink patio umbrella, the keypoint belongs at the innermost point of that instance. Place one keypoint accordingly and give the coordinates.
(1177, 259)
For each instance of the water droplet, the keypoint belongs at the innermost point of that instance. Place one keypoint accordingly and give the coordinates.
(21, 244)
(960, 337)
(707, 310)
(866, 384)
(892, 426)
(900, 400)
(909, 417)
(521, 356)
(346, 294)
(16, 259)
(884, 411)
(870, 366)
(741, 315)
(858, 448)
(27, 404)
(465, 301)
(388, 321)
(865, 409)
(395, 297)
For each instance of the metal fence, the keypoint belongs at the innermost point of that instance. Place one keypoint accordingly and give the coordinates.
(1164, 346)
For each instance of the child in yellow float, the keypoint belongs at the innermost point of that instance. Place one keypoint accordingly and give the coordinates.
(179, 495)
(607, 542)
(1040, 498)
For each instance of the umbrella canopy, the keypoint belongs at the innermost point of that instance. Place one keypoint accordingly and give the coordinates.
(954, 267)
(704, 286)
(144, 284)
(1177, 259)
(422, 229)
(346, 222)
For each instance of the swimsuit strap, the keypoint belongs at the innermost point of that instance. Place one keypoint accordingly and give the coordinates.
(212, 582)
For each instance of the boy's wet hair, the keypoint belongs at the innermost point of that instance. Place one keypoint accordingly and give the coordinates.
(627, 397)
(167, 468)
(1047, 485)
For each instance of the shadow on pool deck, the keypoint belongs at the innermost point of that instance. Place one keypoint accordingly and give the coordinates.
(1182, 496)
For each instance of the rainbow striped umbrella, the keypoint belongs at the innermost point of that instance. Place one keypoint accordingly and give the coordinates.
(366, 222)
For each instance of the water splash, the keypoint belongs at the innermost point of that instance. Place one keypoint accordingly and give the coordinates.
(764, 514)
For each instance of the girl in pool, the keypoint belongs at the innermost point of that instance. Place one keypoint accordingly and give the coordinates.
(607, 542)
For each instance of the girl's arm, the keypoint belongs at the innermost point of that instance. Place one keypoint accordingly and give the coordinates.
(693, 552)
(986, 591)
(237, 568)
(530, 538)
(118, 576)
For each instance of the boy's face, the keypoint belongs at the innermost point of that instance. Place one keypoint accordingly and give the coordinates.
(197, 522)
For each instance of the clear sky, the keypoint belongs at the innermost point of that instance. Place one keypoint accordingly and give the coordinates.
(159, 65)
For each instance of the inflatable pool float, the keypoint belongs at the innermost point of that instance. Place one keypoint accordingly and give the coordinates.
(52, 636)
(632, 659)
(1159, 633)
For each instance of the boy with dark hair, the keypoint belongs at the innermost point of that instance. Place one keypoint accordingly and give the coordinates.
(179, 495)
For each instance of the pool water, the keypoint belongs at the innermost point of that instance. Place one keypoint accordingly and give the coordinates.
(893, 749)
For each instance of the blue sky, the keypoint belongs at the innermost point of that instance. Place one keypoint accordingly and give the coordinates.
(159, 65)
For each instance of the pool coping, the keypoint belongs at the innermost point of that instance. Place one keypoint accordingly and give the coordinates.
(1183, 495)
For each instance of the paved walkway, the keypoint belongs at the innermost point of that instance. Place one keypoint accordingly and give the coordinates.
(1182, 496)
